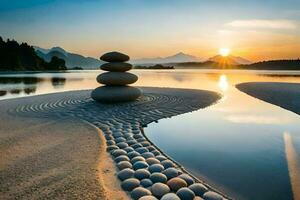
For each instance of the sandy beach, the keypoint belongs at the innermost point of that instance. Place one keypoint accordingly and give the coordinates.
(53, 145)
(285, 95)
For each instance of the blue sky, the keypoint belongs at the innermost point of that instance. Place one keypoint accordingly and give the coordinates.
(146, 28)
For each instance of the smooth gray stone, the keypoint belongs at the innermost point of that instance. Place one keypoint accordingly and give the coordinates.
(148, 197)
(139, 192)
(171, 172)
(188, 179)
(212, 196)
(141, 174)
(138, 158)
(122, 145)
(142, 150)
(198, 188)
(152, 161)
(167, 164)
(118, 152)
(121, 158)
(170, 196)
(158, 178)
(161, 158)
(116, 78)
(146, 182)
(114, 56)
(110, 142)
(116, 67)
(147, 155)
(125, 174)
(120, 139)
(115, 94)
(133, 154)
(159, 189)
(128, 149)
(185, 194)
(112, 148)
(123, 165)
(140, 165)
(130, 184)
(156, 168)
(176, 183)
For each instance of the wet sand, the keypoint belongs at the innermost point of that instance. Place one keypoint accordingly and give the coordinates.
(53, 146)
(285, 95)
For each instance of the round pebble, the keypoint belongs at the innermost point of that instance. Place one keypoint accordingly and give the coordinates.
(156, 168)
(158, 177)
(133, 154)
(118, 152)
(121, 158)
(159, 189)
(116, 67)
(130, 184)
(149, 197)
(112, 147)
(212, 196)
(141, 174)
(171, 172)
(123, 165)
(139, 192)
(140, 165)
(188, 179)
(120, 139)
(167, 164)
(148, 155)
(170, 196)
(152, 161)
(176, 183)
(142, 150)
(128, 149)
(161, 158)
(146, 182)
(125, 174)
(136, 145)
(185, 194)
(114, 56)
(198, 188)
(138, 158)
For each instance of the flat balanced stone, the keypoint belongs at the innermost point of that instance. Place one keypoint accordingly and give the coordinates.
(117, 78)
(112, 94)
(116, 67)
(114, 56)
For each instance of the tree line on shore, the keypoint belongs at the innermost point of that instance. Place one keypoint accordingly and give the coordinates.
(22, 57)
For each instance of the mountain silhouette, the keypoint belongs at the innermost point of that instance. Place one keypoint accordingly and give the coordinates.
(177, 58)
(72, 60)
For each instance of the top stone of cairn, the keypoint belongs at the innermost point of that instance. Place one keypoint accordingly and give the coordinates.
(114, 57)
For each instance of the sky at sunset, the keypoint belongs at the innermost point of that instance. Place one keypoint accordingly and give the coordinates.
(256, 29)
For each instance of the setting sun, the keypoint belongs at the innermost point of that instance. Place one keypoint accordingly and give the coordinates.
(224, 51)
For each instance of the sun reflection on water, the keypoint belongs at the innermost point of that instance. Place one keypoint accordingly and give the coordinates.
(223, 82)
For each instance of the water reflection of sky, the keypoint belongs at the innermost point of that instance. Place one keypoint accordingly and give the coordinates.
(236, 145)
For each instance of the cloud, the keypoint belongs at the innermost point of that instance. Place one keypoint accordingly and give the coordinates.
(267, 24)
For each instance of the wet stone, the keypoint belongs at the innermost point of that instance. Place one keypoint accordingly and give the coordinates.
(139, 192)
(156, 168)
(185, 194)
(141, 174)
(125, 174)
(146, 183)
(198, 188)
(130, 184)
(159, 189)
(158, 177)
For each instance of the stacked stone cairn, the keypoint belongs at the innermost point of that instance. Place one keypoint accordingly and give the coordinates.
(116, 80)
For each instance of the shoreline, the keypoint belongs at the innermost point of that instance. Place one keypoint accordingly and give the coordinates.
(130, 116)
(284, 95)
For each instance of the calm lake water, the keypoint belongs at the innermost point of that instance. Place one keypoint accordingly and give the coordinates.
(237, 145)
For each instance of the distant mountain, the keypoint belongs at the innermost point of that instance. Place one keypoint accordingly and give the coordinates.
(177, 58)
(229, 60)
(72, 60)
